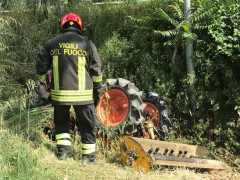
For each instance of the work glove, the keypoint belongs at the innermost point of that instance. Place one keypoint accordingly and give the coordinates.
(43, 92)
(96, 96)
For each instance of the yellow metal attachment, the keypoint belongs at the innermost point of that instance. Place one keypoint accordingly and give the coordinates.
(141, 153)
(149, 126)
(133, 154)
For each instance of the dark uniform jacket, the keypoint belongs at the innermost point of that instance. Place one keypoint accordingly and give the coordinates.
(76, 68)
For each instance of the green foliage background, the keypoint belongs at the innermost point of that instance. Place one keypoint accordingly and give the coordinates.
(145, 43)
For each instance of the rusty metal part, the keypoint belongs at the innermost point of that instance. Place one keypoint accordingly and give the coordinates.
(142, 153)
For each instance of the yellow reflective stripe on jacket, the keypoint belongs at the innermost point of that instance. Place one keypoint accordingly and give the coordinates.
(55, 72)
(81, 72)
(97, 78)
(72, 98)
(42, 77)
(71, 92)
(64, 142)
(88, 148)
(63, 135)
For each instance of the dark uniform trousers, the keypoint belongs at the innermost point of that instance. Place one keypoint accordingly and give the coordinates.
(85, 121)
(85, 124)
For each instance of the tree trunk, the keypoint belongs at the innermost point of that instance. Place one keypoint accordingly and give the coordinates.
(189, 54)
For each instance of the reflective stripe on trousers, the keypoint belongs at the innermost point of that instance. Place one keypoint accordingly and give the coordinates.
(63, 139)
(88, 148)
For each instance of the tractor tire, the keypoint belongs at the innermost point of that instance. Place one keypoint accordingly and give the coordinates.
(159, 112)
(120, 108)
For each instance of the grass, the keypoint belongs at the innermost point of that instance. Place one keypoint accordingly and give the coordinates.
(22, 159)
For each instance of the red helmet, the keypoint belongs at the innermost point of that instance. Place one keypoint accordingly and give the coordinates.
(71, 17)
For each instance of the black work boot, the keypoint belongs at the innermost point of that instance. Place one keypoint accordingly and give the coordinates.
(63, 152)
(89, 158)
(62, 157)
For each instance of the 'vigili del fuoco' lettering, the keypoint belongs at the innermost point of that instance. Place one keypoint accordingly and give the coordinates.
(68, 45)
(74, 52)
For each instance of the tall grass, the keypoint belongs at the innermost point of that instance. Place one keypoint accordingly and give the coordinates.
(20, 159)
(17, 160)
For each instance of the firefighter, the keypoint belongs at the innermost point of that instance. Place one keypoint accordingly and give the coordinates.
(77, 78)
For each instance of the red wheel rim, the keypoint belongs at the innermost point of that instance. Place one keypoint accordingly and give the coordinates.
(113, 107)
(153, 113)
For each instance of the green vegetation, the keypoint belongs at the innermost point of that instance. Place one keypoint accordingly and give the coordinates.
(21, 160)
(142, 42)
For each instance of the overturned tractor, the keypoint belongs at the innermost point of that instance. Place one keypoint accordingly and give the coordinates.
(123, 109)
(143, 121)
